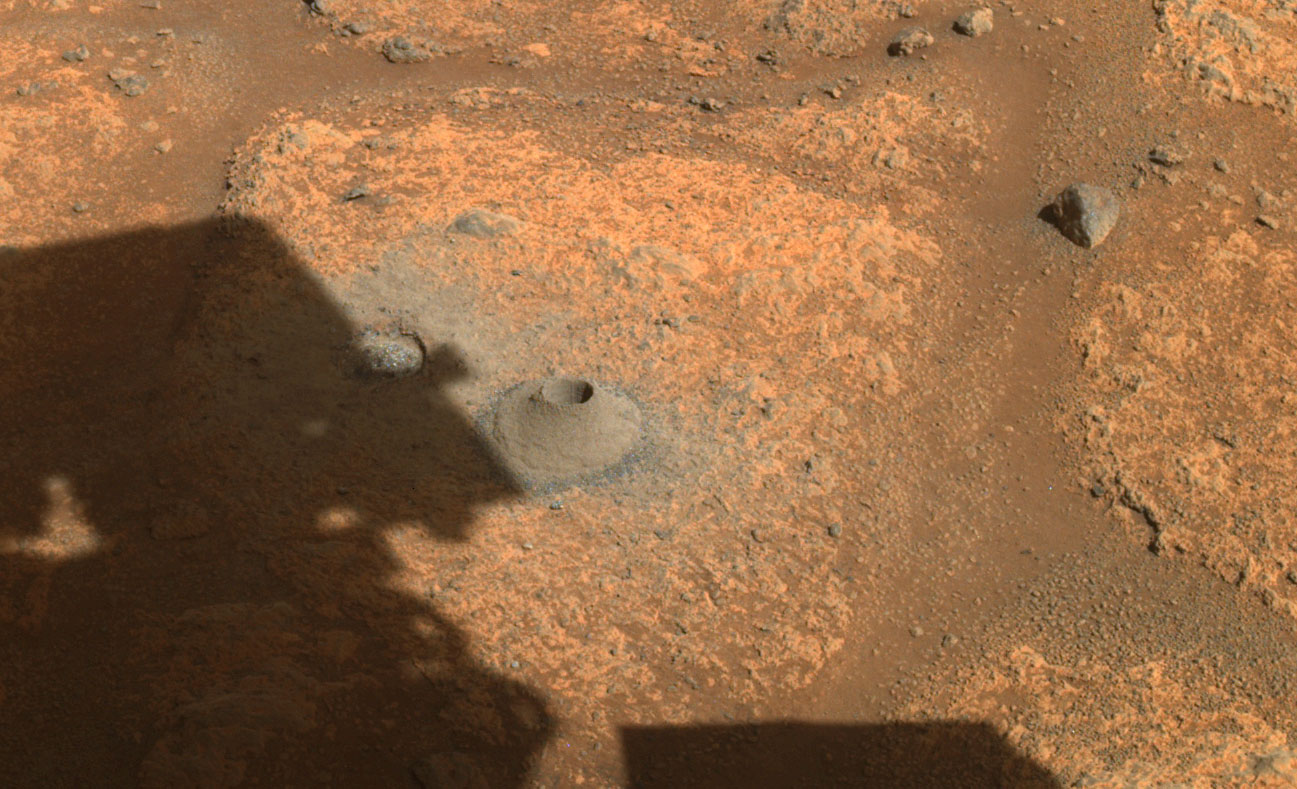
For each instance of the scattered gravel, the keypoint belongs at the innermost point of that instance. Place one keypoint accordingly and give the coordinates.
(128, 82)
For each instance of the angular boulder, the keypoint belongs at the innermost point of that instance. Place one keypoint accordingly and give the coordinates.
(1086, 214)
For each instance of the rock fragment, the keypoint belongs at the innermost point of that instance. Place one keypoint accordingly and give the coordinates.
(378, 355)
(1085, 214)
(975, 23)
(128, 82)
(400, 49)
(707, 103)
(76, 55)
(357, 192)
(908, 41)
(1167, 156)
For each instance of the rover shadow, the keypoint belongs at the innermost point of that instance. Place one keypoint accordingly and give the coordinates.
(198, 501)
(892, 755)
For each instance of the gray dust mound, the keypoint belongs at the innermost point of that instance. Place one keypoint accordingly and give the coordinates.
(480, 223)
(563, 428)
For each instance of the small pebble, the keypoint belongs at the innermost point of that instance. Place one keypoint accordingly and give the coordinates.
(80, 207)
(357, 192)
(835, 530)
(1166, 156)
(707, 103)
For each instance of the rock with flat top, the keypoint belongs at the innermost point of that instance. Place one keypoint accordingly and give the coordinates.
(908, 41)
(975, 23)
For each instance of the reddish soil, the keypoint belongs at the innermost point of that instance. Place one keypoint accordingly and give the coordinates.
(923, 493)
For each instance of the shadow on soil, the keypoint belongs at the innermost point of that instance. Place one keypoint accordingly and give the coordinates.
(892, 755)
(198, 508)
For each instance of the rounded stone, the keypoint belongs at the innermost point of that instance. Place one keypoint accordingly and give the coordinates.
(563, 428)
(378, 355)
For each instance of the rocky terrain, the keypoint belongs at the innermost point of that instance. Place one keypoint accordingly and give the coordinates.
(647, 393)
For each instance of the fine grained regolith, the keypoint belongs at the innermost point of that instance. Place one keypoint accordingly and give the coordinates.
(563, 428)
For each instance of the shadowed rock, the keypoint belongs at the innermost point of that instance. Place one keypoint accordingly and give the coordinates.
(908, 40)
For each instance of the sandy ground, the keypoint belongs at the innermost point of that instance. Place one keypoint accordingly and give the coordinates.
(924, 494)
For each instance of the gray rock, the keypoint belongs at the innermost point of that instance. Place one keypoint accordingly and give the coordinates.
(376, 355)
(976, 23)
(707, 103)
(908, 41)
(400, 49)
(357, 192)
(76, 55)
(128, 82)
(1086, 214)
(483, 224)
(1167, 156)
